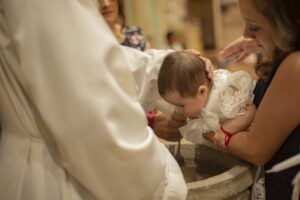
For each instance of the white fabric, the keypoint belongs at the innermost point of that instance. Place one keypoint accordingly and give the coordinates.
(166, 108)
(286, 164)
(296, 189)
(145, 68)
(229, 95)
(72, 128)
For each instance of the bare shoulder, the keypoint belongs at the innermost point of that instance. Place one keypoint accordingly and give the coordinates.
(291, 63)
(287, 81)
(289, 71)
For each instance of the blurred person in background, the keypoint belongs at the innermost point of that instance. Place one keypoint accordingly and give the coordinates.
(114, 15)
(173, 42)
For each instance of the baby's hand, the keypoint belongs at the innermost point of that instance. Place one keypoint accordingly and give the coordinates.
(216, 138)
(241, 122)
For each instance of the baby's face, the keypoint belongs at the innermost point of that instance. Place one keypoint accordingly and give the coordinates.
(191, 106)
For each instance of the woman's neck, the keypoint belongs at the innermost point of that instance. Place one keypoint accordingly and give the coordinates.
(117, 29)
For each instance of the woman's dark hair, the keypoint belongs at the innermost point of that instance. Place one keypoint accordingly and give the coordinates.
(284, 18)
(183, 72)
(121, 13)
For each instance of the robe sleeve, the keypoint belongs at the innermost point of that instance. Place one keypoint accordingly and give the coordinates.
(145, 67)
(78, 80)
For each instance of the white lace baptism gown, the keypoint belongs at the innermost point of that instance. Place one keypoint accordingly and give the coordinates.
(230, 93)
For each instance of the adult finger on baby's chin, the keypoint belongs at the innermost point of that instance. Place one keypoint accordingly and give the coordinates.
(179, 115)
(174, 137)
(209, 136)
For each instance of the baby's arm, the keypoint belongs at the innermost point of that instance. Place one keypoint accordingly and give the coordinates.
(240, 122)
(233, 126)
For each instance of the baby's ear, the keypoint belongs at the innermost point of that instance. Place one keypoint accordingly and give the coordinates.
(203, 90)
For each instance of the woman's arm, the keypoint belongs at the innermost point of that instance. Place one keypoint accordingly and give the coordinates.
(277, 116)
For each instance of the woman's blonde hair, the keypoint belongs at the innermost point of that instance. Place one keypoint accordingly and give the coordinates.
(283, 16)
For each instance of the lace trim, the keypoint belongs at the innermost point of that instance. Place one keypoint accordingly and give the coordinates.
(258, 187)
(236, 94)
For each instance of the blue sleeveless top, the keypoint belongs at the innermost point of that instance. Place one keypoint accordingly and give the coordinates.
(278, 185)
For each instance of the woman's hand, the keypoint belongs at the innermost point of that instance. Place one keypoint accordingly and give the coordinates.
(240, 49)
(166, 128)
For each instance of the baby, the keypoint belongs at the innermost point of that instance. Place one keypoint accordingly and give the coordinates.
(208, 103)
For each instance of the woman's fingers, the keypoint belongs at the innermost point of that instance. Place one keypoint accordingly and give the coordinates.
(250, 46)
(176, 124)
(228, 53)
(239, 49)
(208, 64)
(232, 48)
(241, 57)
(209, 67)
(178, 116)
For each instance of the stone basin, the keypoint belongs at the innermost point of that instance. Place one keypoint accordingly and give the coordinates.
(214, 175)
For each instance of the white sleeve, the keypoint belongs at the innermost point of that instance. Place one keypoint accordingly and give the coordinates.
(236, 94)
(194, 129)
(145, 67)
(78, 80)
(193, 132)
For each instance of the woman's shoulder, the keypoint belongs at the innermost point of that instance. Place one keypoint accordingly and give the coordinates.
(289, 71)
(294, 56)
(292, 63)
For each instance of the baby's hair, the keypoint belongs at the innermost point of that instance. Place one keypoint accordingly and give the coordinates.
(183, 72)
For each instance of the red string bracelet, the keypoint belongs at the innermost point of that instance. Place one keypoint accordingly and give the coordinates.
(228, 136)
